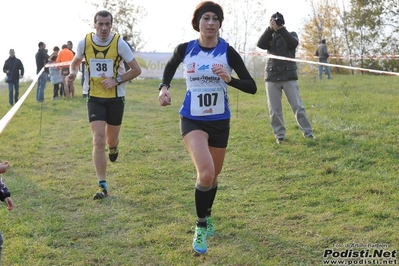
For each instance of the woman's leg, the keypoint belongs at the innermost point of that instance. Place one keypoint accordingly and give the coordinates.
(208, 163)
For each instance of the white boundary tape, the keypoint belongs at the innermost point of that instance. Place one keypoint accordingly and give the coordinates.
(354, 57)
(10, 114)
(331, 65)
(58, 64)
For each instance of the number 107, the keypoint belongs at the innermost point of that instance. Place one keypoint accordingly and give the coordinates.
(207, 99)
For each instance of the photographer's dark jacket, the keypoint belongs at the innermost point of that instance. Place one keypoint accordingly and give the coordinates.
(280, 43)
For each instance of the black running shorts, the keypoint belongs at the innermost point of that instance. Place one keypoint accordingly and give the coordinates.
(218, 131)
(109, 110)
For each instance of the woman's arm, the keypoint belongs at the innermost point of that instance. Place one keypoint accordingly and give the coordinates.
(245, 82)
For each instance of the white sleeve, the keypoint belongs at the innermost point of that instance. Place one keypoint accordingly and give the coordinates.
(124, 51)
(80, 49)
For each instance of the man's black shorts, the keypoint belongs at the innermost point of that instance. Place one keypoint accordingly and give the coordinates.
(109, 110)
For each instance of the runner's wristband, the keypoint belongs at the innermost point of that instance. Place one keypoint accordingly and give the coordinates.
(163, 85)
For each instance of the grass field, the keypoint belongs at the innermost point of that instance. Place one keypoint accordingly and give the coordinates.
(276, 205)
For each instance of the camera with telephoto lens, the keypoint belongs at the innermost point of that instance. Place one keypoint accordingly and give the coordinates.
(278, 18)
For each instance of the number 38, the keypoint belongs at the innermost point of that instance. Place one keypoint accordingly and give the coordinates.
(101, 67)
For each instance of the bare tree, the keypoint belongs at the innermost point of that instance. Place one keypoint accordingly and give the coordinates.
(391, 11)
(323, 23)
(245, 22)
(345, 30)
(127, 17)
(366, 31)
(391, 43)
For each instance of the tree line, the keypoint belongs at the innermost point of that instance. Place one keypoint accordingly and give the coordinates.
(359, 33)
(364, 34)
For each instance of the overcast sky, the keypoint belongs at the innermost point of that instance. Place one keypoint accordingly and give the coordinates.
(167, 24)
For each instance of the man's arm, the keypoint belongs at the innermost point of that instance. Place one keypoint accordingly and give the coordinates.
(73, 70)
(291, 38)
(133, 72)
(5, 69)
(265, 39)
(21, 68)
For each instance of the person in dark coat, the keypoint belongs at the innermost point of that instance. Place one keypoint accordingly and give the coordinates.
(41, 61)
(14, 69)
(281, 75)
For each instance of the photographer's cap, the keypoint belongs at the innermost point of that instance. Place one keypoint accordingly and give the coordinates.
(277, 16)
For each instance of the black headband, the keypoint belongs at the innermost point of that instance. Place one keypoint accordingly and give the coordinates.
(207, 8)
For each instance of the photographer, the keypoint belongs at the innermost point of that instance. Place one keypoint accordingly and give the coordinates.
(281, 75)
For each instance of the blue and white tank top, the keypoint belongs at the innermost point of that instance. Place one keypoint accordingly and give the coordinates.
(206, 97)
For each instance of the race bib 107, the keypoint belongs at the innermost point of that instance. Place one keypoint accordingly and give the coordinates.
(207, 101)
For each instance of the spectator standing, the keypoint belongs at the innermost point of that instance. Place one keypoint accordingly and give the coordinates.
(55, 73)
(282, 75)
(41, 61)
(5, 196)
(322, 53)
(14, 69)
(70, 46)
(66, 56)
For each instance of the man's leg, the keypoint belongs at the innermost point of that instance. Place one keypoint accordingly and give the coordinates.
(99, 157)
(320, 71)
(42, 86)
(16, 95)
(10, 93)
(328, 72)
(113, 128)
(274, 93)
(112, 141)
(291, 90)
(66, 88)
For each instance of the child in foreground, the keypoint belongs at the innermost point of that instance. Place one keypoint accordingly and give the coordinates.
(5, 196)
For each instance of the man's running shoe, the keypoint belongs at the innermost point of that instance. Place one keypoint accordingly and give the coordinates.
(100, 194)
(199, 242)
(210, 230)
(279, 140)
(311, 137)
(113, 153)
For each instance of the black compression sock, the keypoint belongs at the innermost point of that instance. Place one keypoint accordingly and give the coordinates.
(202, 198)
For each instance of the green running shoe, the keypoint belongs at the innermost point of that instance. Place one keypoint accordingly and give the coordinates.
(199, 242)
(210, 230)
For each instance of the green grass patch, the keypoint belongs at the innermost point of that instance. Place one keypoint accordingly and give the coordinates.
(277, 204)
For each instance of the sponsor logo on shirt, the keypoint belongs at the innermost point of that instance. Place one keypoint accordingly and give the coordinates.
(191, 68)
(204, 68)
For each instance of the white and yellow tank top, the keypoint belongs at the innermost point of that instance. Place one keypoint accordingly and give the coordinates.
(101, 60)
